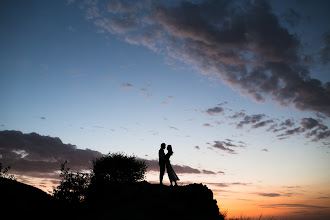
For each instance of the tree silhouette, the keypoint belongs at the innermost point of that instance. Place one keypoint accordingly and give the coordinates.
(73, 186)
(118, 168)
(111, 168)
(4, 173)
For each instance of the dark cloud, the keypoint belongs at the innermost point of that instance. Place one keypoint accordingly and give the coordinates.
(242, 42)
(312, 128)
(227, 145)
(154, 166)
(214, 111)
(288, 122)
(221, 146)
(309, 123)
(240, 114)
(33, 154)
(207, 172)
(263, 124)
(250, 119)
(290, 132)
(41, 156)
(269, 194)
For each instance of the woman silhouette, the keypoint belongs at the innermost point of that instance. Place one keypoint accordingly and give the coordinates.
(171, 173)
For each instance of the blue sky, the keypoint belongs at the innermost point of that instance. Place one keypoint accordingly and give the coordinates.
(253, 108)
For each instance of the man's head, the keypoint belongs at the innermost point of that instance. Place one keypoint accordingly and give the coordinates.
(163, 146)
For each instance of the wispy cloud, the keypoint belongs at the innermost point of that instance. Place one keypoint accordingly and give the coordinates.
(180, 169)
(269, 194)
(207, 125)
(293, 205)
(312, 129)
(253, 54)
(126, 85)
(227, 145)
(250, 119)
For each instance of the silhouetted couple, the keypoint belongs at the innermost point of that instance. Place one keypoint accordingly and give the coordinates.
(164, 161)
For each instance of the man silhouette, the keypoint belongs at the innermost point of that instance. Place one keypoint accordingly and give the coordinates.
(162, 161)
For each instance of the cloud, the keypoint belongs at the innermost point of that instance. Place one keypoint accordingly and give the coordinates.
(309, 127)
(312, 128)
(207, 172)
(220, 145)
(263, 124)
(36, 155)
(309, 123)
(288, 122)
(207, 125)
(214, 111)
(241, 42)
(250, 119)
(229, 184)
(168, 101)
(293, 205)
(41, 156)
(179, 169)
(269, 194)
(240, 114)
(227, 145)
(126, 85)
(291, 132)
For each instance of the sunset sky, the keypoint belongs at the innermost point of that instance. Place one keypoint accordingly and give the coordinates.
(240, 89)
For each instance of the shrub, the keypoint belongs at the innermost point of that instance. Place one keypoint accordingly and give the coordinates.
(73, 186)
(4, 173)
(118, 168)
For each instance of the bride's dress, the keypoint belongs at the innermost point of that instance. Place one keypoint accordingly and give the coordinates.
(170, 171)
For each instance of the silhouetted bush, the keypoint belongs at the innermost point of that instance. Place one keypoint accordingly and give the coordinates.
(73, 186)
(4, 173)
(118, 168)
(111, 168)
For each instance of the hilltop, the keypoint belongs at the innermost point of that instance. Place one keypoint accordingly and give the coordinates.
(19, 200)
(140, 200)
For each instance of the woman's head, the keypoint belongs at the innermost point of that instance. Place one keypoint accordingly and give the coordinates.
(169, 149)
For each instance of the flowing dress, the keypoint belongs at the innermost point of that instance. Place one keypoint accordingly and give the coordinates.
(170, 171)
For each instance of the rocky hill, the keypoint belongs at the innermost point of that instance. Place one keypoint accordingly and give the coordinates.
(116, 201)
(152, 201)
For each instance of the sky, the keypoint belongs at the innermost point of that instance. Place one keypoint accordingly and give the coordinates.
(240, 89)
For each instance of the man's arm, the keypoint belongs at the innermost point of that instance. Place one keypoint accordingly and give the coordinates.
(161, 155)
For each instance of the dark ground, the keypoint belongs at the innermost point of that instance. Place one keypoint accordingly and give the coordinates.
(140, 200)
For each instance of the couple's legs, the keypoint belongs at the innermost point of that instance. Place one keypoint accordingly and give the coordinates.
(162, 172)
(175, 184)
